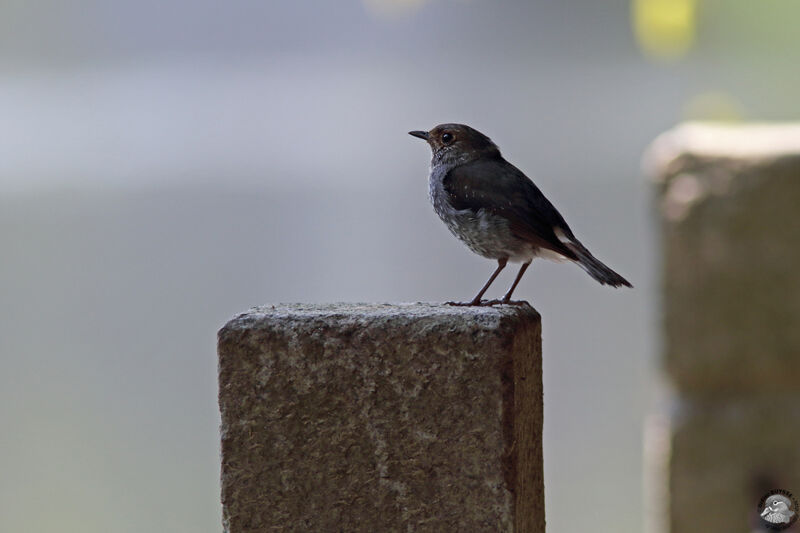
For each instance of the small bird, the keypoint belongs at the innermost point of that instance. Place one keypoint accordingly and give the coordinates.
(777, 509)
(496, 210)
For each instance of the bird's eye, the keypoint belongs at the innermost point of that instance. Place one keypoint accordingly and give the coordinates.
(447, 138)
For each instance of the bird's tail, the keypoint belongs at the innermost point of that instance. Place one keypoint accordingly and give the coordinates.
(594, 267)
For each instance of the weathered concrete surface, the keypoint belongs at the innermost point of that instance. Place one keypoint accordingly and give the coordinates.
(728, 199)
(410, 417)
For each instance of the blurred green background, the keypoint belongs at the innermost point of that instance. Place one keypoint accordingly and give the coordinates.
(164, 166)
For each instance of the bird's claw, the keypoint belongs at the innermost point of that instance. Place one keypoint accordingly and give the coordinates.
(487, 303)
(514, 302)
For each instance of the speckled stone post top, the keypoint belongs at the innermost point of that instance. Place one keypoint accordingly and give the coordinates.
(382, 417)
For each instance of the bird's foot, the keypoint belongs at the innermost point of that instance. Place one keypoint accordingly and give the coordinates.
(514, 302)
(482, 303)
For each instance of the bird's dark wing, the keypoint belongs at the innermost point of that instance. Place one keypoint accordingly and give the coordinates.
(501, 188)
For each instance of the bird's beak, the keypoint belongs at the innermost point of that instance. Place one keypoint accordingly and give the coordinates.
(421, 134)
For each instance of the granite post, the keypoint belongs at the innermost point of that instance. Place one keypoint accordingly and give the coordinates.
(728, 198)
(368, 417)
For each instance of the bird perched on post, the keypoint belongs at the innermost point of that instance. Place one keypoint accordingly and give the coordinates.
(496, 210)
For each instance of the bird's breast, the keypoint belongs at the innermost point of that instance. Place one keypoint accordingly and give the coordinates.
(484, 232)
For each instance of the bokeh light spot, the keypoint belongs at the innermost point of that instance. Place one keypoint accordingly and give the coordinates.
(713, 105)
(664, 29)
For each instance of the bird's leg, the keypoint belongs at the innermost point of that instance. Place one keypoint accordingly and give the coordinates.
(501, 264)
(507, 298)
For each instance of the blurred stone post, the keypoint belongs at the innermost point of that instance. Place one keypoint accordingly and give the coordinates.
(408, 417)
(729, 202)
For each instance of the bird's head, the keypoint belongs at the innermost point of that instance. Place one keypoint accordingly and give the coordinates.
(778, 503)
(457, 143)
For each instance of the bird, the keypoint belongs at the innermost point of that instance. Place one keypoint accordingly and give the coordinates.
(777, 509)
(497, 211)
